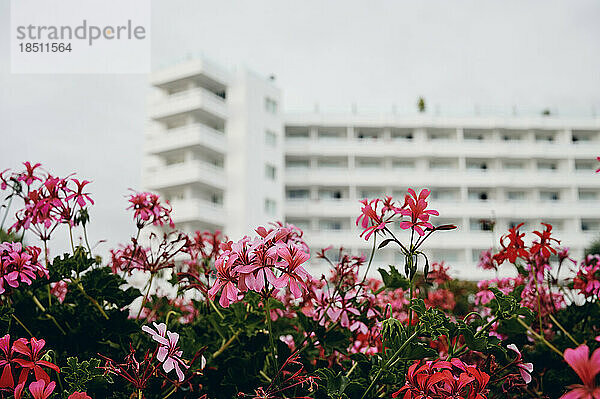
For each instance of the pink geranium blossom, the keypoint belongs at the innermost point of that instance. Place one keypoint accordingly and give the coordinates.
(168, 353)
(417, 211)
(586, 368)
(149, 209)
(525, 369)
(41, 389)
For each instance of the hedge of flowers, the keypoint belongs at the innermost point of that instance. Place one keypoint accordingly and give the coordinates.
(176, 315)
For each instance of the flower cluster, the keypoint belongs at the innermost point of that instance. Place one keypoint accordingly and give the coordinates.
(271, 261)
(377, 213)
(587, 280)
(49, 201)
(21, 360)
(149, 209)
(443, 379)
(18, 265)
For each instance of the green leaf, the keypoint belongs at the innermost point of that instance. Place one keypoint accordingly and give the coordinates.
(393, 279)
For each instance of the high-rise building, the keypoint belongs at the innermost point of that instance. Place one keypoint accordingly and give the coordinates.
(220, 149)
(214, 147)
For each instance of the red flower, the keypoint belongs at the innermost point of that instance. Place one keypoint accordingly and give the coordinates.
(33, 353)
(543, 247)
(515, 248)
(586, 368)
(418, 212)
(6, 362)
(420, 381)
(79, 395)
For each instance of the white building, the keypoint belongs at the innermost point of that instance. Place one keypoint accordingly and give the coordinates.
(479, 170)
(218, 149)
(214, 147)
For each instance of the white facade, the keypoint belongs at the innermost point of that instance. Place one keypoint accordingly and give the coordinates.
(214, 147)
(217, 148)
(479, 170)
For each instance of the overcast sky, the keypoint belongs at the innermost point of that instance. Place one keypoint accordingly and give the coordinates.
(457, 54)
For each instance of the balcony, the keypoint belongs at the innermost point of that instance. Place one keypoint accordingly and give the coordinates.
(196, 99)
(196, 135)
(185, 173)
(439, 148)
(194, 210)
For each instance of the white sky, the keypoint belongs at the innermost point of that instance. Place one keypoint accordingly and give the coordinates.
(457, 54)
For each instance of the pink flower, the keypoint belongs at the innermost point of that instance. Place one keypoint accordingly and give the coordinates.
(41, 389)
(59, 290)
(19, 265)
(524, 368)
(148, 209)
(28, 177)
(293, 274)
(586, 368)
(79, 196)
(418, 212)
(79, 395)
(369, 220)
(226, 280)
(168, 353)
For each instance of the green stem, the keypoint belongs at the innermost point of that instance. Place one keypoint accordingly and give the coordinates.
(390, 361)
(71, 238)
(7, 209)
(22, 325)
(563, 329)
(538, 336)
(86, 241)
(145, 299)
(92, 300)
(354, 364)
(227, 344)
(271, 341)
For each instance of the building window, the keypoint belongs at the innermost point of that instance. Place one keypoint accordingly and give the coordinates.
(216, 199)
(588, 195)
(514, 165)
(590, 225)
(401, 164)
(270, 105)
(297, 164)
(333, 195)
(549, 195)
(330, 225)
(270, 207)
(547, 166)
(482, 225)
(271, 138)
(297, 194)
(270, 172)
(515, 195)
(479, 196)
